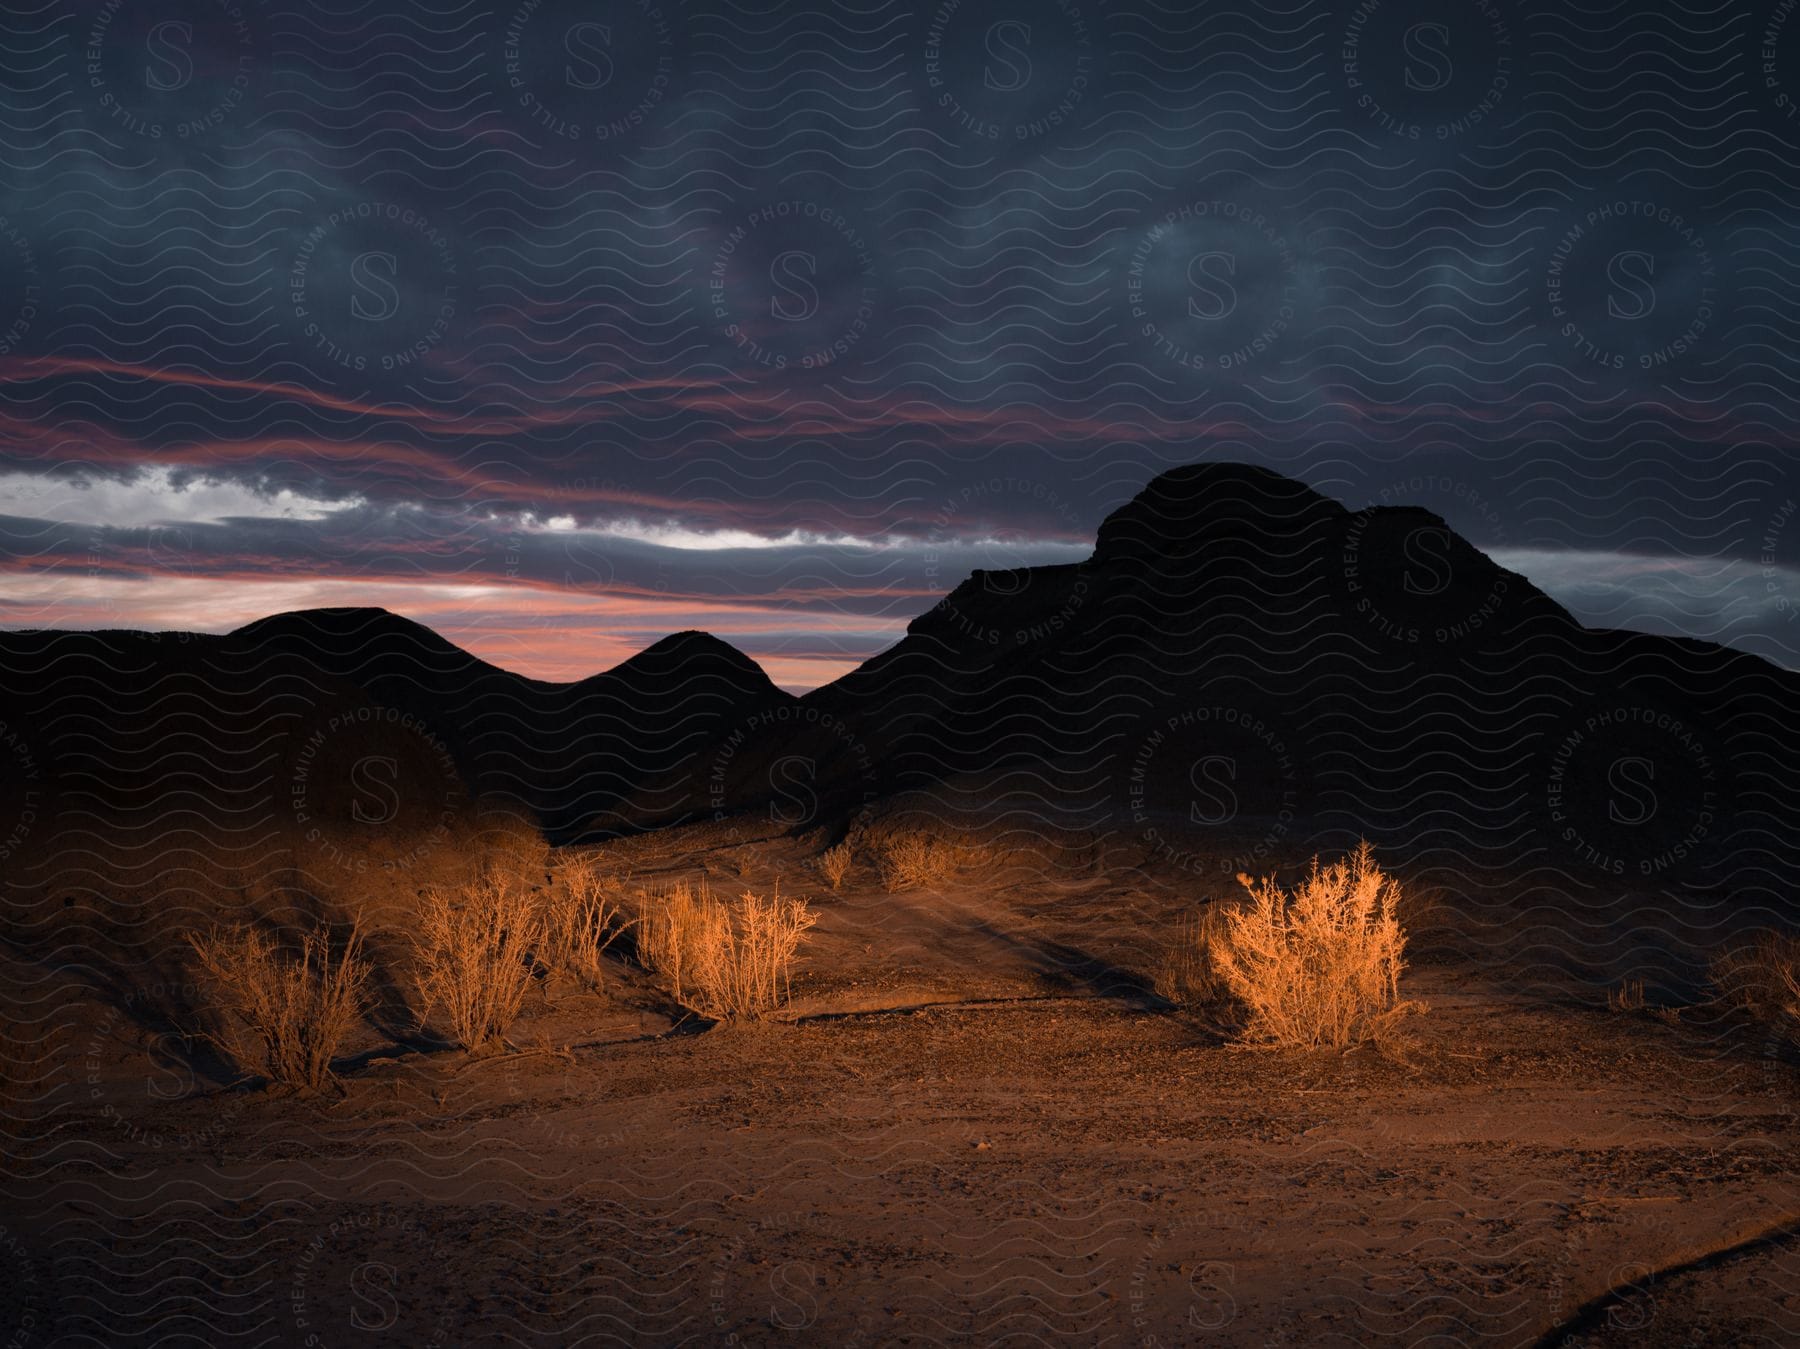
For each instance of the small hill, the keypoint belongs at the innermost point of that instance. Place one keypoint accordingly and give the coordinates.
(352, 718)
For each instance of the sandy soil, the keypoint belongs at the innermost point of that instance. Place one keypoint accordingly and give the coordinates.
(976, 1126)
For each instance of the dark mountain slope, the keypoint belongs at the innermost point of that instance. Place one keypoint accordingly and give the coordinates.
(1242, 657)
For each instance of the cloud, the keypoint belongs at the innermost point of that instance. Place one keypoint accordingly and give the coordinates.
(157, 495)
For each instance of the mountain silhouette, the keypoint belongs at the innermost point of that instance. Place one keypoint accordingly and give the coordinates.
(329, 723)
(1243, 658)
(1242, 664)
(601, 754)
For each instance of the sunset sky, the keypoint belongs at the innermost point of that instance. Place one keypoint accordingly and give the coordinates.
(559, 333)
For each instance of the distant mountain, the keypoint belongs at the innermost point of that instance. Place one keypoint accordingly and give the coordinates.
(608, 752)
(1242, 665)
(358, 721)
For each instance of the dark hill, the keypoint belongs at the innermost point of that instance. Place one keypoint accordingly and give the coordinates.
(352, 721)
(1243, 658)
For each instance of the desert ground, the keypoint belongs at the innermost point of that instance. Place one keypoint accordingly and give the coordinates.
(974, 1123)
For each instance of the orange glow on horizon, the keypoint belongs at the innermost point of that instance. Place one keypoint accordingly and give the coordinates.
(556, 636)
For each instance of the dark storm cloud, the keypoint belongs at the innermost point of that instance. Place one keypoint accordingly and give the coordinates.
(893, 291)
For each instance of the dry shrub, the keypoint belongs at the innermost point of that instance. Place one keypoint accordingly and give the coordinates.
(834, 864)
(1321, 966)
(282, 1013)
(724, 959)
(472, 957)
(915, 861)
(1627, 997)
(750, 973)
(1761, 977)
(583, 915)
(673, 926)
(1189, 973)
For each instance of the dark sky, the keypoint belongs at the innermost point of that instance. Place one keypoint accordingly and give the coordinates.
(561, 325)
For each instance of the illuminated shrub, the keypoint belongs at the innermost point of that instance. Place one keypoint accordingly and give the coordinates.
(282, 1013)
(1762, 978)
(583, 914)
(472, 961)
(834, 864)
(1319, 966)
(915, 862)
(723, 958)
